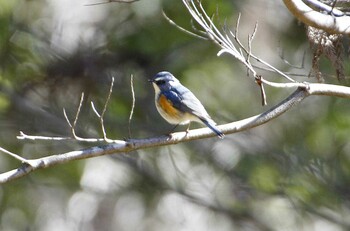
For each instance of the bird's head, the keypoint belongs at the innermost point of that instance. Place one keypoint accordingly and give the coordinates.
(163, 81)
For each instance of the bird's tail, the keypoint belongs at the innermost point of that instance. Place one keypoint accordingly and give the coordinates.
(211, 125)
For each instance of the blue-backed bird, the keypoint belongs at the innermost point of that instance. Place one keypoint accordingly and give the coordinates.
(177, 104)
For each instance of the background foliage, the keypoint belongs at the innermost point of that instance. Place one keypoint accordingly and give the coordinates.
(290, 174)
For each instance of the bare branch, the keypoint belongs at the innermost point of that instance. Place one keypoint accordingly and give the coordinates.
(95, 110)
(272, 68)
(257, 78)
(77, 114)
(13, 155)
(23, 136)
(72, 126)
(104, 110)
(262, 90)
(120, 146)
(326, 8)
(224, 41)
(250, 40)
(66, 117)
(328, 23)
(108, 97)
(284, 85)
(101, 116)
(182, 29)
(133, 103)
(201, 17)
(235, 36)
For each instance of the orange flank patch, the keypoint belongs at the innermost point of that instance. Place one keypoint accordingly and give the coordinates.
(167, 107)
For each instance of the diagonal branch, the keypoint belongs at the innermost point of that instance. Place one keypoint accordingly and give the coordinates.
(121, 146)
(3, 150)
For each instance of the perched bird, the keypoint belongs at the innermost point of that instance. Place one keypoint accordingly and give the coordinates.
(177, 104)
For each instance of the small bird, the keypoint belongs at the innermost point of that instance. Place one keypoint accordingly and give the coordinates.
(177, 104)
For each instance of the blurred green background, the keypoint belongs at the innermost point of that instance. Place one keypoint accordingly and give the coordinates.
(290, 174)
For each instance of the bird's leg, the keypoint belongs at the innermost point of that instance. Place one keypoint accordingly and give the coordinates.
(188, 127)
(172, 130)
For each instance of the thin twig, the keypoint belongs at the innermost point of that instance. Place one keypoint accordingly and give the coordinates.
(284, 85)
(223, 40)
(78, 111)
(273, 68)
(23, 136)
(133, 103)
(101, 116)
(262, 90)
(95, 110)
(329, 9)
(23, 160)
(281, 55)
(241, 46)
(72, 126)
(183, 29)
(108, 97)
(66, 117)
(201, 17)
(258, 78)
(250, 40)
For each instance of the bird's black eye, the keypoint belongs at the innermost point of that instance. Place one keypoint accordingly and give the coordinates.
(160, 82)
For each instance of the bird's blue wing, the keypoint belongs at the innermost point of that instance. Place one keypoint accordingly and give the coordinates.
(175, 98)
(183, 99)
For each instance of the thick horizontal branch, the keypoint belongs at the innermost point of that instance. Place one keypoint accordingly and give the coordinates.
(326, 22)
(120, 146)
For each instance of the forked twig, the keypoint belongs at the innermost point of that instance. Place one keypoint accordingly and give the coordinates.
(101, 116)
(72, 126)
(236, 37)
